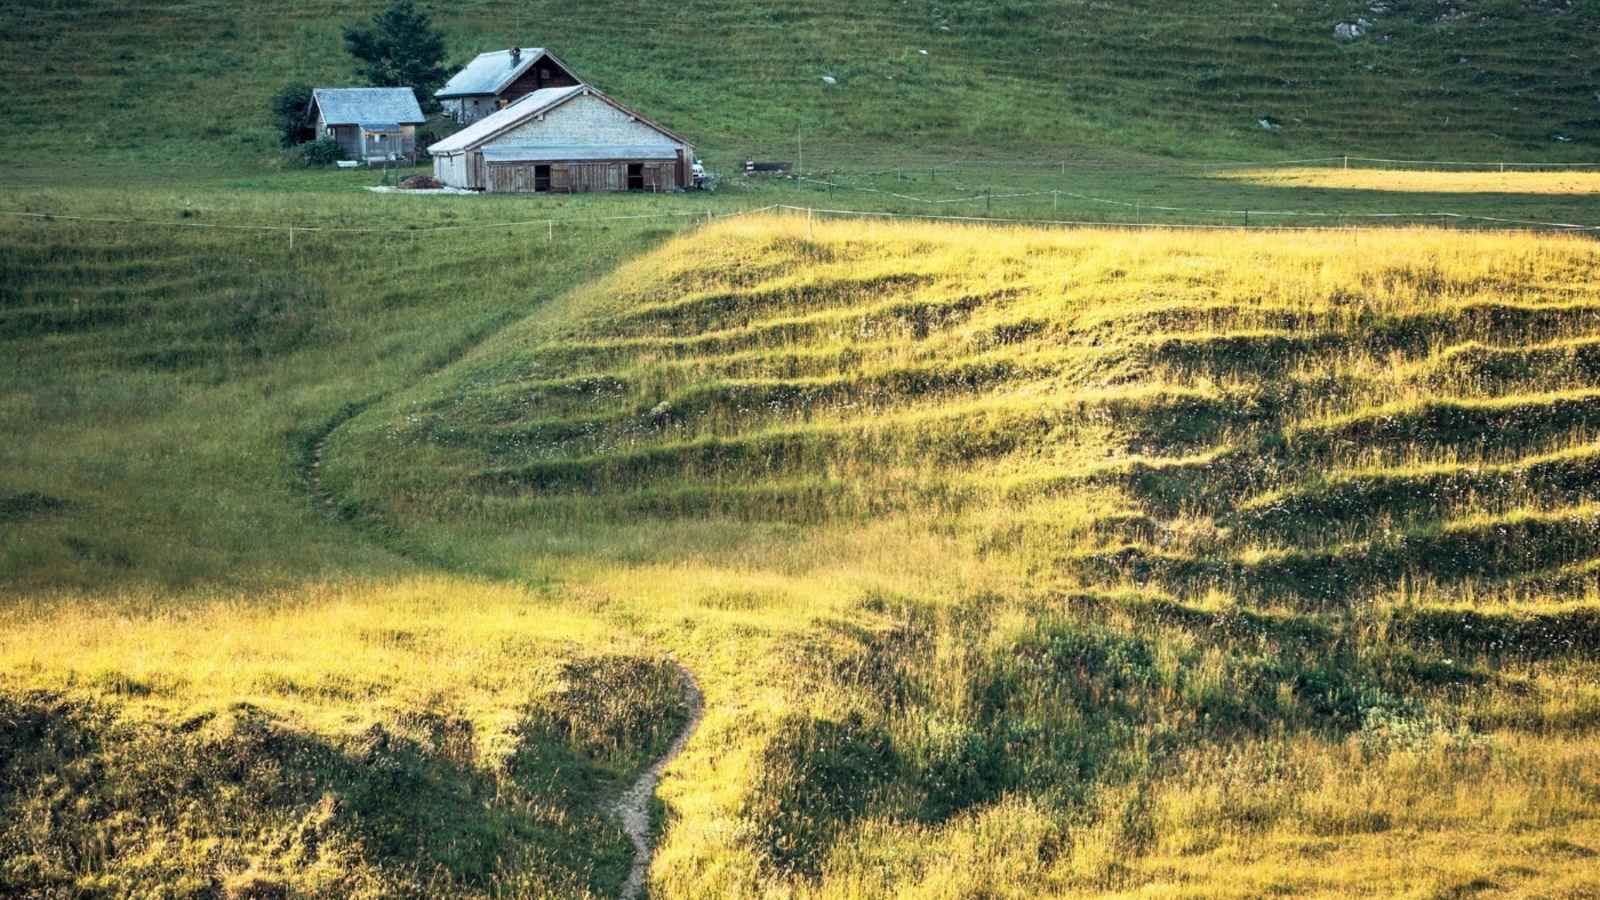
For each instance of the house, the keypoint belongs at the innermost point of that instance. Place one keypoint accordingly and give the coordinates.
(372, 124)
(565, 139)
(493, 81)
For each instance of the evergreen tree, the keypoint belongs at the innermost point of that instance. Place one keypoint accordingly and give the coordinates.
(400, 48)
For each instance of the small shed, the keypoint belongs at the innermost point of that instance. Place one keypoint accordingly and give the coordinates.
(566, 140)
(371, 124)
(495, 80)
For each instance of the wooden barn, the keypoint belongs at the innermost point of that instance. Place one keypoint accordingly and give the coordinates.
(493, 81)
(568, 140)
(372, 124)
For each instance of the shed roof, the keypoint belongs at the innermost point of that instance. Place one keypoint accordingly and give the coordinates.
(526, 108)
(490, 73)
(361, 106)
(564, 152)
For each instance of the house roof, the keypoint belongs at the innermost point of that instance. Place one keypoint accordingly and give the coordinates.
(370, 105)
(533, 104)
(563, 152)
(490, 73)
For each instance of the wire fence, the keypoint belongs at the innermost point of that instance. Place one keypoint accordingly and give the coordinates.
(970, 194)
(1138, 207)
(936, 166)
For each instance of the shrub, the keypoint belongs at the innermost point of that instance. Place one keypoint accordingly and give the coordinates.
(289, 113)
(421, 183)
(322, 152)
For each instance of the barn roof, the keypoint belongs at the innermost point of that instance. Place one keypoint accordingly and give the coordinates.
(490, 73)
(368, 106)
(564, 152)
(530, 105)
(526, 108)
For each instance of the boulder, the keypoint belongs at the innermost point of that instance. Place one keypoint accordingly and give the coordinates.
(1348, 31)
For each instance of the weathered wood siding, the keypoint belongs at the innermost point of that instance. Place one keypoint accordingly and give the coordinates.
(349, 138)
(451, 170)
(585, 120)
(467, 110)
(578, 177)
(543, 74)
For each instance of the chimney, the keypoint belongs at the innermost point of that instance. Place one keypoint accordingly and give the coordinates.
(516, 55)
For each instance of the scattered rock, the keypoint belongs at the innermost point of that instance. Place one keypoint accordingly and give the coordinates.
(1562, 138)
(1268, 123)
(1348, 31)
(661, 410)
(829, 79)
(923, 52)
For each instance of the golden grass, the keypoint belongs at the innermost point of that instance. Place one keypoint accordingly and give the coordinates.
(1413, 181)
(335, 656)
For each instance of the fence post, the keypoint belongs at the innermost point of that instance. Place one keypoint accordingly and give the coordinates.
(810, 232)
(549, 231)
(291, 237)
(1247, 218)
(988, 198)
(1055, 201)
(1347, 161)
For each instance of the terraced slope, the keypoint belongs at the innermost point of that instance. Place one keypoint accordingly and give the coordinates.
(1304, 421)
(1064, 562)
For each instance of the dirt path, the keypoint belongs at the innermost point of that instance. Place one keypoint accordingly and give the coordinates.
(314, 475)
(633, 807)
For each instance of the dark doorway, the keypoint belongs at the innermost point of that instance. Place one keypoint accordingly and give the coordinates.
(541, 178)
(635, 176)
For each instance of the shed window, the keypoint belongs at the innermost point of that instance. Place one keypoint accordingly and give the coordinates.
(541, 178)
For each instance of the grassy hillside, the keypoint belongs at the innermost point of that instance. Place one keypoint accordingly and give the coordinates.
(210, 685)
(175, 86)
(1066, 562)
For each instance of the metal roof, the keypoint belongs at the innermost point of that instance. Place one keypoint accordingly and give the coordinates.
(353, 106)
(521, 111)
(489, 73)
(528, 106)
(565, 152)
